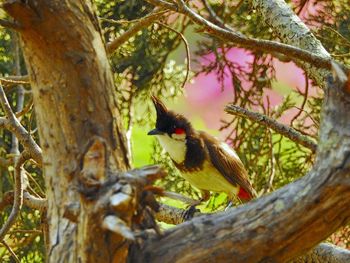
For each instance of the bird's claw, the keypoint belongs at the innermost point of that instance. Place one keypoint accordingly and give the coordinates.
(189, 213)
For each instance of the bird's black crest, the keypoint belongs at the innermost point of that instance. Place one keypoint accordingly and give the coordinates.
(167, 120)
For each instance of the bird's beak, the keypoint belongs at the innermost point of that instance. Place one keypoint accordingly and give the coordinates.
(155, 132)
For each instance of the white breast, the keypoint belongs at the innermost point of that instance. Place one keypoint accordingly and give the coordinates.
(175, 147)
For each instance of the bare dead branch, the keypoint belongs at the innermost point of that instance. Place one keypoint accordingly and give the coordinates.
(18, 194)
(28, 200)
(294, 53)
(14, 80)
(142, 23)
(19, 90)
(280, 128)
(12, 123)
(213, 16)
(13, 254)
(10, 24)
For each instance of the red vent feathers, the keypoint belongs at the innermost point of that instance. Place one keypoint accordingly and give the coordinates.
(243, 194)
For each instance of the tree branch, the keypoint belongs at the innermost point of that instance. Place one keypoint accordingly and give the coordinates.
(10, 24)
(18, 194)
(285, 130)
(275, 227)
(13, 254)
(14, 80)
(188, 54)
(294, 53)
(12, 123)
(291, 30)
(323, 252)
(142, 23)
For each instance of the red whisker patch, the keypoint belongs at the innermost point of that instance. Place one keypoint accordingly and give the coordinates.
(179, 131)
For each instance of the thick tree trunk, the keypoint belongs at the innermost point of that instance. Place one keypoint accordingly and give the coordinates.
(73, 93)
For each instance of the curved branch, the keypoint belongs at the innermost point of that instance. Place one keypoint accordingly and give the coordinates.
(291, 30)
(10, 24)
(13, 254)
(188, 54)
(18, 194)
(294, 53)
(285, 130)
(142, 23)
(323, 252)
(276, 227)
(12, 123)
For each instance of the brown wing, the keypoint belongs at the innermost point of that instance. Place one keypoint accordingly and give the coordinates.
(228, 165)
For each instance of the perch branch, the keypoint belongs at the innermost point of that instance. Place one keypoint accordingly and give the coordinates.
(286, 131)
(323, 252)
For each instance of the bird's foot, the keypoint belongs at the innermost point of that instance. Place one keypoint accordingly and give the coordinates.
(189, 212)
(229, 206)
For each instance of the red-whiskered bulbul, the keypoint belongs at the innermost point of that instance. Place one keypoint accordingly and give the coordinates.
(204, 161)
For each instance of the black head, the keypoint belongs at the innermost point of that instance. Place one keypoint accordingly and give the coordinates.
(168, 121)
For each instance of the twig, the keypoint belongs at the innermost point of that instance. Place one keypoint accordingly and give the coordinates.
(18, 194)
(306, 93)
(14, 80)
(12, 123)
(19, 91)
(294, 53)
(143, 22)
(26, 109)
(286, 131)
(13, 254)
(213, 16)
(10, 24)
(5, 162)
(188, 54)
(28, 200)
(269, 184)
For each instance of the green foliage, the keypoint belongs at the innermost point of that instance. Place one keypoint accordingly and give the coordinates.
(145, 65)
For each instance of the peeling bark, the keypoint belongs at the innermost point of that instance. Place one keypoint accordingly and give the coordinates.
(73, 92)
(291, 30)
(94, 212)
(325, 253)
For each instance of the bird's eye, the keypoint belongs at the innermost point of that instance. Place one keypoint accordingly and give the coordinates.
(179, 131)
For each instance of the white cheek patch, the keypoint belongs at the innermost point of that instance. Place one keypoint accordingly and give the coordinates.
(180, 137)
(229, 150)
(175, 147)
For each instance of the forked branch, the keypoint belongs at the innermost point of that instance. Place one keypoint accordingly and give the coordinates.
(280, 128)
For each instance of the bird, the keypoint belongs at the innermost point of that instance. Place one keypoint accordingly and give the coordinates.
(207, 163)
